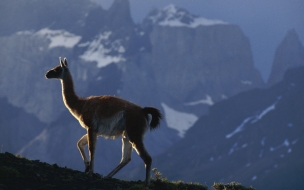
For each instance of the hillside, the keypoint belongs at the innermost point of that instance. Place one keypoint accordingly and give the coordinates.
(21, 173)
(257, 139)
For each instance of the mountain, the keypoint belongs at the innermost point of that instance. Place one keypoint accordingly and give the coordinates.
(289, 54)
(175, 61)
(254, 137)
(15, 134)
(172, 15)
(187, 63)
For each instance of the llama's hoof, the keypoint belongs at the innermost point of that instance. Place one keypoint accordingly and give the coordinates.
(146, 183)
(89, 173)
(96, 176)
(87, 167)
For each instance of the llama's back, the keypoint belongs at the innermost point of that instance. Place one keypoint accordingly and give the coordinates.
(120, 114)
(107, 106)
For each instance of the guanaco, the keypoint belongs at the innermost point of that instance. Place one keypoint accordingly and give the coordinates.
(110, 117)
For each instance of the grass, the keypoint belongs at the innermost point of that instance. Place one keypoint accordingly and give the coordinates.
(230, 186)
(17, 172)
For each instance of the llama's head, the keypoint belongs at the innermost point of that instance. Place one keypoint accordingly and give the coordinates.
(58, 72)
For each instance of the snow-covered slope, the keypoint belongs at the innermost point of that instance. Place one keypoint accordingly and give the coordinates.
(58, 38)
(103, 51)
(179, 121)
(177, 17)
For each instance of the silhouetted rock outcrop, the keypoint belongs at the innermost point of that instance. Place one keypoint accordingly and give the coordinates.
(289, 54)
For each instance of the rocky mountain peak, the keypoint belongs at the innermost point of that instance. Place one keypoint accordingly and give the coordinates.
(289, 54)
(172, 15)
(119, 14)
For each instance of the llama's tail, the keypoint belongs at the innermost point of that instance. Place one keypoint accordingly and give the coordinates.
(156, 116)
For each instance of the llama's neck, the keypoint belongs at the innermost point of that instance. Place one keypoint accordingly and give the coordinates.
(70, 98)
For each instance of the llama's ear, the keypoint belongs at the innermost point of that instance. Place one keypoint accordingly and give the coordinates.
(65, 62)
(61, 63)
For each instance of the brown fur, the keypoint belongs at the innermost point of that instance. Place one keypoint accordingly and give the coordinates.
(107, 116)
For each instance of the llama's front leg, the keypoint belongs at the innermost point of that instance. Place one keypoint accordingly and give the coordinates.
(92, 139)
(83, 141)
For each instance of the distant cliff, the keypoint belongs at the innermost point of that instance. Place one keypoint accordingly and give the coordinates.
(189, 62)
(289, 54)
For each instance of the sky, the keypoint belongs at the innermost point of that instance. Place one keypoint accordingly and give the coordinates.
(264, 22)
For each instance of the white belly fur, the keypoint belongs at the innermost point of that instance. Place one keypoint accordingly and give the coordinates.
(112, 127)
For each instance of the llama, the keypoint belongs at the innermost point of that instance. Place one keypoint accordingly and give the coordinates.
(110, 117)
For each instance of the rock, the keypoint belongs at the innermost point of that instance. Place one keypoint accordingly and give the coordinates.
(289, 54)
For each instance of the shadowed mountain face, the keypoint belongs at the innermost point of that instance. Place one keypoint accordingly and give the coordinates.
(255, 138)
(173, 60)
(15, 134)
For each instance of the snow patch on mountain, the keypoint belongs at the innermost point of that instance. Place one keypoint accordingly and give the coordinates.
(233, 148)
(246, 82)
(264, 112)
(252, 119)
(207, 100)
(284, 144)
(177, 17)
(42, 138)
(59, 38)
(240, 127)
(179, 121)
(103, 51)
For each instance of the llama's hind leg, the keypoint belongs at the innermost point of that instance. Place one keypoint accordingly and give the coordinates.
(145, 156)
(126, 156)
(83, 141)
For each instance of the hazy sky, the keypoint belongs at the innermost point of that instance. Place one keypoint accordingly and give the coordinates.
(264, 22)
